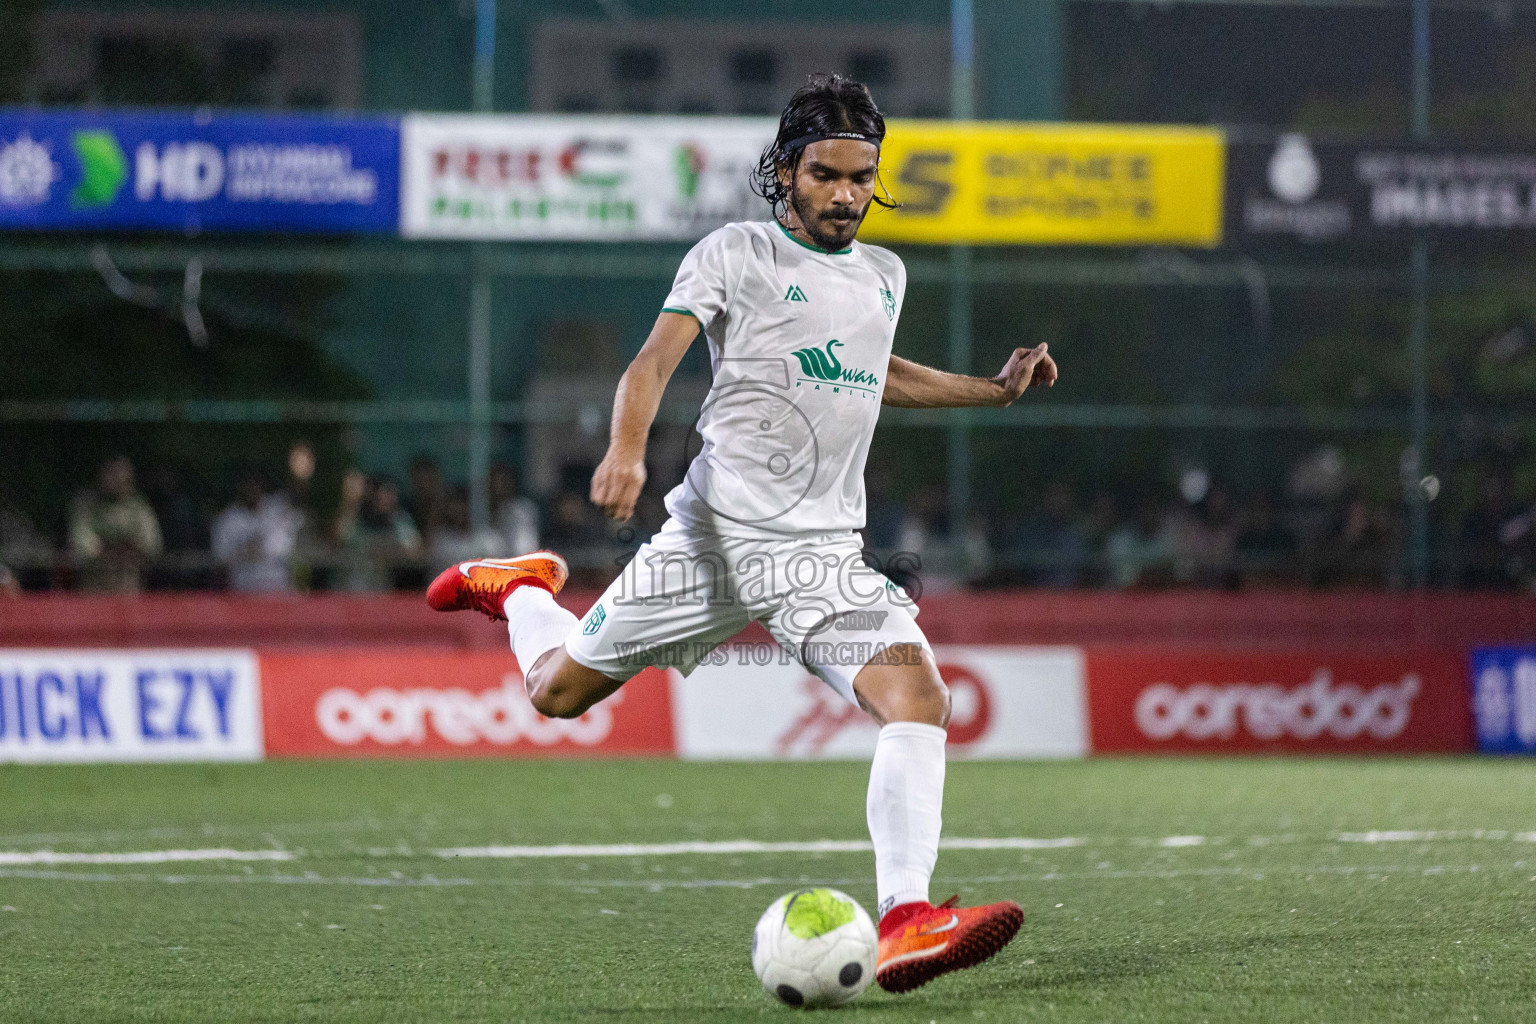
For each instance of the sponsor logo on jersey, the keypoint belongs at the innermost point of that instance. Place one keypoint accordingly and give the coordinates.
(795, 294)
(594, 621)
(823, 365)
(889, 301)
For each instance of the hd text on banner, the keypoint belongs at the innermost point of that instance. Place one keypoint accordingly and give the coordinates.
(1050, 184)
(191, 172)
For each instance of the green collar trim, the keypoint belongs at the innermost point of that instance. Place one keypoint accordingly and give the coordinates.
(813, 248)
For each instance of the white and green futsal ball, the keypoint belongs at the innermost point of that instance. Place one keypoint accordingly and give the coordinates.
(815, 947)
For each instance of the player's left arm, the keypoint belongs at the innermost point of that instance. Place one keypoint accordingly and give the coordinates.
(910, 385)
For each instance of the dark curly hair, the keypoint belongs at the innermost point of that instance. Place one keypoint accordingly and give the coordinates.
(825, 106)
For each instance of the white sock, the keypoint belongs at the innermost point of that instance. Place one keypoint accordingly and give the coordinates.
(905, 809)
(538, 625)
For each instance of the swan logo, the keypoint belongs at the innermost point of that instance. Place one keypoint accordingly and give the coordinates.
(822, 364)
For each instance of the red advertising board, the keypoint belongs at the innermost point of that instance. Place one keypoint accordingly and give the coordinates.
(1149, 701)
(410, 703)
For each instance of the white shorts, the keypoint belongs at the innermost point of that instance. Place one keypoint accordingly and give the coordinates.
(686, 592)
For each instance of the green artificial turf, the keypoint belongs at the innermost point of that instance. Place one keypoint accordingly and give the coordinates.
(1277, 913)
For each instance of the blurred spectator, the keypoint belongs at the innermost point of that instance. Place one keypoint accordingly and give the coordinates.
(1485, 558)
(514, 515)
(1100, 521)
(1265, 549)
(1052, 546)
(1314, 488)
(9, 586)
(183, 566)
(182, 525)
(254, 538)
(307, 566)
(944, 560)
(23, 550)
(1136, 552)
(456, 541)
(574, 522)
(428, 493)
(1201, 538)
(113, 531)
(379, 541)
(301, 474)
(1358, 551)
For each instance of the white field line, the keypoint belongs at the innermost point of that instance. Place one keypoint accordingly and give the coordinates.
(140, 857)
(735, 846)
(1452, 835)
(396, 880)
(752, 846)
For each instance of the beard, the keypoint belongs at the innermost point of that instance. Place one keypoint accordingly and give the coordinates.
(832, 228)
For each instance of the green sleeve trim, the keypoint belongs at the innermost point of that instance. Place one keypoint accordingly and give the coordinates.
(680, 309)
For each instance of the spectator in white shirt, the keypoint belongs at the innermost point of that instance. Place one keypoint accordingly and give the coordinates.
(515, 515)
(254, 538)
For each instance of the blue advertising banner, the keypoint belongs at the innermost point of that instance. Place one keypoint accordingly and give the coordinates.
(1504, 699)
(191, 172)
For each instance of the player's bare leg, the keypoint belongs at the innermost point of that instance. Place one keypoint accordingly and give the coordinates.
(521, 591)
(902, 690)
(562, 687)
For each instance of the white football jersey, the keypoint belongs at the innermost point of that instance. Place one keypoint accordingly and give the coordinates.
(799, 343)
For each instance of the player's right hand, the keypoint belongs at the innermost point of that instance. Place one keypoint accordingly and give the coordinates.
(617, 483)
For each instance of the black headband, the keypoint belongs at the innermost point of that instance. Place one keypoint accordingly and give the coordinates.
(794, 146)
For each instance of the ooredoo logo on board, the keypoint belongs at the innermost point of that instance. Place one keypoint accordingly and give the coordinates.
(1312, 702)
(502, 716)
(444, 704)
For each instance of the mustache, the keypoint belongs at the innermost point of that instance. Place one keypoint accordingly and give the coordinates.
(840, 213)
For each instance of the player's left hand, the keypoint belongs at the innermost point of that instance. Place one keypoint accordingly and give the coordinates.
(1025, 367)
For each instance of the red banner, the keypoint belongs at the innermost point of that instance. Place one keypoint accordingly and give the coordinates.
(1140, 701)
(444, 704)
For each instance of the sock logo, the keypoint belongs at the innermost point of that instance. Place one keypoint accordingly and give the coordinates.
(885, 906)
(594, 620)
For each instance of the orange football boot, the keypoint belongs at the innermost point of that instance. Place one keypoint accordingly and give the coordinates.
(919, 942)
(483, 585)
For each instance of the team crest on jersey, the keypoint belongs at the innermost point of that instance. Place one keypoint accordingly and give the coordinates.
(889, 301)
(795, 294)
(821, 365)
(594, 620)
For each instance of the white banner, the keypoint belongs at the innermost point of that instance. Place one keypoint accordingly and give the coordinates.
(76, 706)
(1009, 702)
(577, 178)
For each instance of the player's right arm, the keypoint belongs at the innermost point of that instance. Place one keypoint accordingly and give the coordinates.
(620, 476)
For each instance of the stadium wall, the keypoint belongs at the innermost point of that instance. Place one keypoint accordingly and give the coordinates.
(229, 678)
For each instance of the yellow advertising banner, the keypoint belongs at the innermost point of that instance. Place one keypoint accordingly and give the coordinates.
(1049, 184)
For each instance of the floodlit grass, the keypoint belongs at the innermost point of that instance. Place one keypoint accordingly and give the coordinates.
(1202, 890)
